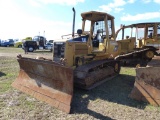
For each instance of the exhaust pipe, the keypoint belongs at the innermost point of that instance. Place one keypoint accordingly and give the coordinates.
(73, 27)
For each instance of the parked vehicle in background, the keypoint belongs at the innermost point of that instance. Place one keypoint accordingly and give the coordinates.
(18, 42)
(49, 46)
(0, 42)
(30, 45)
(7, 43)
(11, 42)
(51, 41)
(38, 42)
(41, 41)
(28, 38)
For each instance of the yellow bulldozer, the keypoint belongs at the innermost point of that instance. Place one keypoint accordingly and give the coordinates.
(147, 79)
(85, 60)
(140, 40)
(147, 35)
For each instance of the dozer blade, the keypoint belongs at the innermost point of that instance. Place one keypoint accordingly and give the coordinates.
(147, 83)
(46, 81)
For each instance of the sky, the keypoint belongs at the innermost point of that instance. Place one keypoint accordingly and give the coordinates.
(53, 18)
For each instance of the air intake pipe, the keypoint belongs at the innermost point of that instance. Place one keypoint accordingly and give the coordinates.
(73, 27)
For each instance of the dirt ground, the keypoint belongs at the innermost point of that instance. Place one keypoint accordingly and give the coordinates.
(105, 102)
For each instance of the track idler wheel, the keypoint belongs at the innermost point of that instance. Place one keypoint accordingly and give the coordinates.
(149, 54)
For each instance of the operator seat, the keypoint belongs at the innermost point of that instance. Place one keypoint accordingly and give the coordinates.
(98, 38)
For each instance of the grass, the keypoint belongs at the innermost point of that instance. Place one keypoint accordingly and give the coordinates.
(107, 101)
(10, 50)
(26, 103)
(5, 86)
(128, 71)
(8, 72)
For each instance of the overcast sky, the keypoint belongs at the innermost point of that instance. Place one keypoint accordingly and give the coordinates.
(22, 18)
